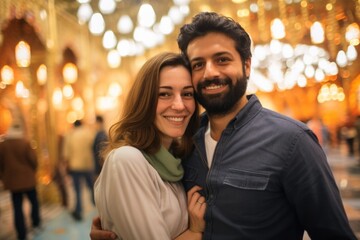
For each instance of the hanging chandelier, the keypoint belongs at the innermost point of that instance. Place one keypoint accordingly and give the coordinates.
(297, 48)
(130, 27)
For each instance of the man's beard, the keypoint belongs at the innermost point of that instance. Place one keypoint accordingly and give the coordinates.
(222, 103)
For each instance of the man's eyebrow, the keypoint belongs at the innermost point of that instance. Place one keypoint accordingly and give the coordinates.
(218, 54)
(221, 53)
(196, 59)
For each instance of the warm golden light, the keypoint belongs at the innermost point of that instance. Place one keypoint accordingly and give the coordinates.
(19, 88)
(243, 13)
(105, 103)
(114, 59)
(57, 98)
(22, 54)
(277, 29)
(331, 92)
(71, 117)
(97, 24)
(304, 4)
(341, 59)
(352, 34)
(21, 91)
(115, 90)
(41, 74)
(77, 104)
(68, 91)
(70, 73)
(351, 53)
(7, 75)
(146, 16)
(317, 33)
(329, 7)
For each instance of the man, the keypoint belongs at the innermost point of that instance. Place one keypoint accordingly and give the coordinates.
(77, 152)
(99, 141)
(18, 166)
(264, 175)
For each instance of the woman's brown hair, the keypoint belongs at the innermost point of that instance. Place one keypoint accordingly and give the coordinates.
(136, 127)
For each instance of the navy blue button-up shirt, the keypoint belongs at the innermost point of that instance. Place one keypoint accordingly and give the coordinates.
(269, 179)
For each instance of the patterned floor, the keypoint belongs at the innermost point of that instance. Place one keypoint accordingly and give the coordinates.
(59, 225)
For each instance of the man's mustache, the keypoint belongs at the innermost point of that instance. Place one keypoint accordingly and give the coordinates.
(213, 81)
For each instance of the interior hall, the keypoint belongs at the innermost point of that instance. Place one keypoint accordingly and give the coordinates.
(63, 61)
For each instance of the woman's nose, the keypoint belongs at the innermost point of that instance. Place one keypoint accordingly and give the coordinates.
(178, 103)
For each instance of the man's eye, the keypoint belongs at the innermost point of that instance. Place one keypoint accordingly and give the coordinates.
(197, 66)
(223, 59)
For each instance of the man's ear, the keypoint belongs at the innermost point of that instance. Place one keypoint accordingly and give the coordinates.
(247, 67)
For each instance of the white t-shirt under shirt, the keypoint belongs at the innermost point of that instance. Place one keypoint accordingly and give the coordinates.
(210, 145)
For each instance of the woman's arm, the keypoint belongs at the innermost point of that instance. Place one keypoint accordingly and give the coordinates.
(196, 208)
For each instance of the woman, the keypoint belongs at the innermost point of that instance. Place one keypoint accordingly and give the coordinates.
(138, 193)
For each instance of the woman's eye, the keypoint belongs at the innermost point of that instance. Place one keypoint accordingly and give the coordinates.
(164, 94)
(189, 94)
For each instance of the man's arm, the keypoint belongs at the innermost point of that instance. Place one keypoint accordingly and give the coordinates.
(311, 188)
(97, 233)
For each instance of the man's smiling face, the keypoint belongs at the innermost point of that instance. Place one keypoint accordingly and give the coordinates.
(218, 72)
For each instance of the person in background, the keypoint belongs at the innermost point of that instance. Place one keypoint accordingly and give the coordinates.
(320, 130)
(264, 175)
(138, 193)
(77, 152)
(99, 142)
(60, 173)
(18, 165)
(349, 134)
(357, 127)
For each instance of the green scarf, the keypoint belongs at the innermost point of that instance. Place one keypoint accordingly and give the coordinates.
(168, 167)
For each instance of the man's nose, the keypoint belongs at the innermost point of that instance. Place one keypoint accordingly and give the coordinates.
(211, 71)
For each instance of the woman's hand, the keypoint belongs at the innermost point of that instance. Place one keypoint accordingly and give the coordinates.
(97, 233)
(196, 209)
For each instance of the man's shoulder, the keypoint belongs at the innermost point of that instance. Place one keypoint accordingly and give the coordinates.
(282, 119)
(275, 118)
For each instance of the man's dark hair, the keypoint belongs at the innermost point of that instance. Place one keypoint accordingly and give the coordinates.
(206, 22)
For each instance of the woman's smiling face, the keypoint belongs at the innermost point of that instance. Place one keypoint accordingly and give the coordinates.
(176, 103)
